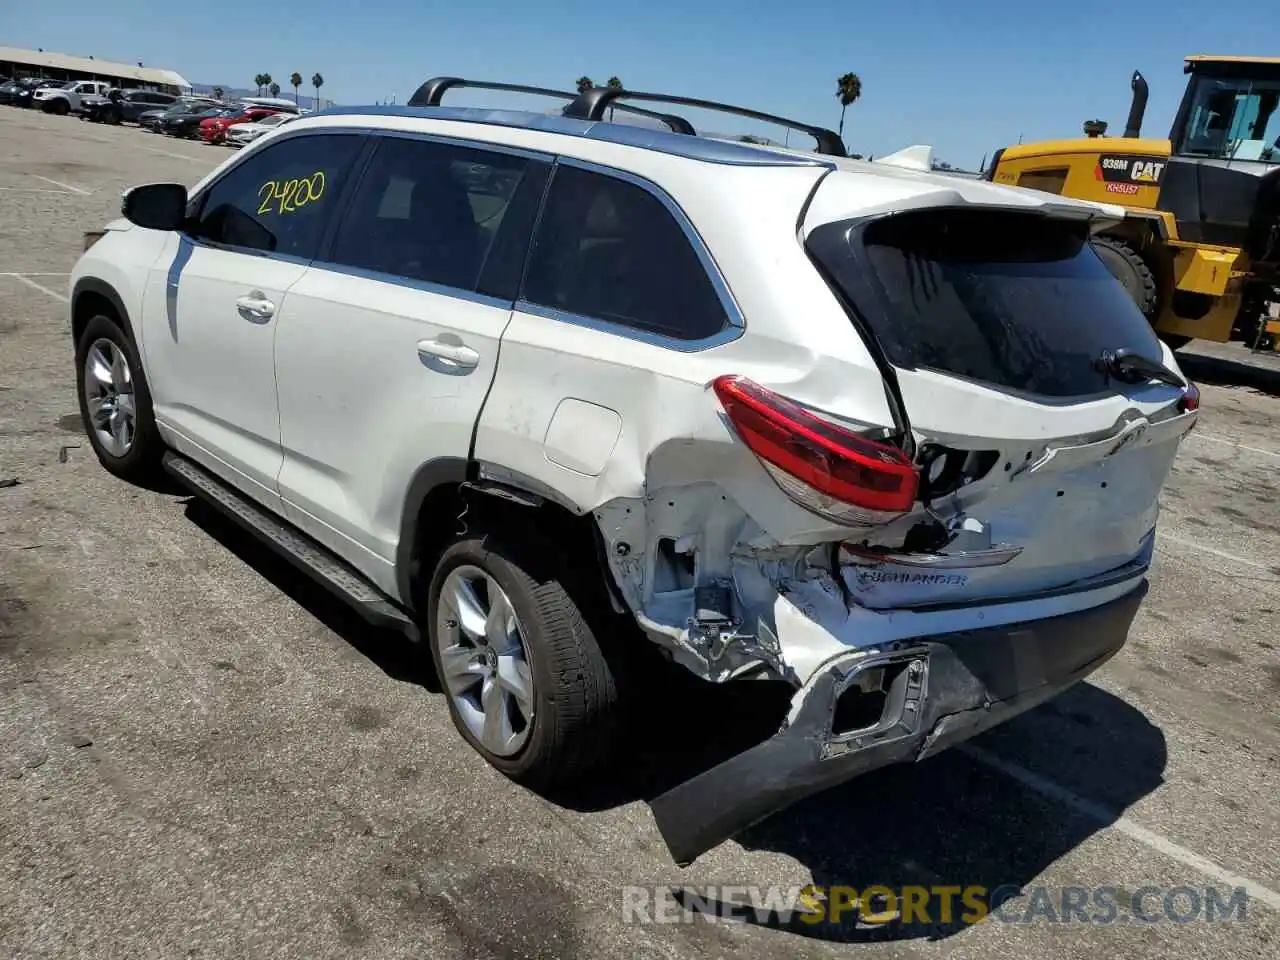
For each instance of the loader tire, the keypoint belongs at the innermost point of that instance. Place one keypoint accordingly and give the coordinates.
(1127, 266)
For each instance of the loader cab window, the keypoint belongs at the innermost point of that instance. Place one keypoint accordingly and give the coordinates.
(1050, 181)
(1232, 118)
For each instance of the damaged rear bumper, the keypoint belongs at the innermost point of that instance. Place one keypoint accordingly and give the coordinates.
(892, 704)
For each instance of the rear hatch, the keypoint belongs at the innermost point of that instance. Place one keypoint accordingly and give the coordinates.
(1041, 409)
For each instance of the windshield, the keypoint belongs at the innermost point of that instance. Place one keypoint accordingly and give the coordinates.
(1232, 118)
(70, 85)
(1013, 300)
(271, 121)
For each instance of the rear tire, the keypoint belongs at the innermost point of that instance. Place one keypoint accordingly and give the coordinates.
(574, 693)
(1127, 266)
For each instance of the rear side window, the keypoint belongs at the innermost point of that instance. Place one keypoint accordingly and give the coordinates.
(428, 211)
(278, 200)
(611, 250)
(1013, 300)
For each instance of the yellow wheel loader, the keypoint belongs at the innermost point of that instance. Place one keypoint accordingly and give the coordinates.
(1199, 246)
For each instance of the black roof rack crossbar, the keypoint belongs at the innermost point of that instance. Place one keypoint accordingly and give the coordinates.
(432, 92)
(592, 104)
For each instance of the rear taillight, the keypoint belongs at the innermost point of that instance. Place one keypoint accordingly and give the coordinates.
(836, 467)
(1190, 398)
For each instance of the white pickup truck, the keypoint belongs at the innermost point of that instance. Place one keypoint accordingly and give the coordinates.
(64, 99)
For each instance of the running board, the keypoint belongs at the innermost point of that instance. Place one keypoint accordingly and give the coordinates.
(294, 545)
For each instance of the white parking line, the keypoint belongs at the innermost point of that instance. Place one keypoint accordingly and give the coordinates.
(1213, 551)
(39, 286)
(1149, 838)
(64, 186)
(57, 193)
(1232, 443)
(170, 153)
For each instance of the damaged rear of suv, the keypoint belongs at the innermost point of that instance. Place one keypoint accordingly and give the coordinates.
(997, 532)
(889, 438)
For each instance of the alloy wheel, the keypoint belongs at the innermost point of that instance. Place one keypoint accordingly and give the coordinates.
(484, 661)
(107, 382)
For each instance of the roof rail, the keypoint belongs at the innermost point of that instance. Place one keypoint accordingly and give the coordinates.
(591, 105)
(432, 92)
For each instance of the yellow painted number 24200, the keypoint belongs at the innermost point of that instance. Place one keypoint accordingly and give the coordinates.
(288, 196)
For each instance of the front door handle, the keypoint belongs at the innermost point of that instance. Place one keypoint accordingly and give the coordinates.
(455, 353)
(255, 307)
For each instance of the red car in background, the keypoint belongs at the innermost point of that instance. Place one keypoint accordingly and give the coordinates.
(214, 129)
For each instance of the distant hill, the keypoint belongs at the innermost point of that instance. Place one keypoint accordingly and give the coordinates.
(234, 93)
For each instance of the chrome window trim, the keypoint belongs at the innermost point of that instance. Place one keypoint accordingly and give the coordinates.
(726, 335)
(423, 286)
(735, 321)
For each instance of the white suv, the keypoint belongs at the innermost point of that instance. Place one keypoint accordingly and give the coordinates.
(890, 437)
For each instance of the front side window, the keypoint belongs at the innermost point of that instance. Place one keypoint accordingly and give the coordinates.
(610, 250)
(1233, 118)
(277, 201)
(428, 211)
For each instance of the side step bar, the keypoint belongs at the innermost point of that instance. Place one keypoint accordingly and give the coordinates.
(294, 545)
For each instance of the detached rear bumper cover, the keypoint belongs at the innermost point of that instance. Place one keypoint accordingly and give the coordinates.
(944, 690)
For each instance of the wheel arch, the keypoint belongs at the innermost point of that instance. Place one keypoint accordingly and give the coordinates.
(451, 495)
(91, 296)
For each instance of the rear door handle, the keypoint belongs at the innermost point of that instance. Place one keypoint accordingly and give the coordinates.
(256, 307)
(455, 353)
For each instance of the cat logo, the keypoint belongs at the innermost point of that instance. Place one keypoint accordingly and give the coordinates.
(1146, 171)
(1139, 170)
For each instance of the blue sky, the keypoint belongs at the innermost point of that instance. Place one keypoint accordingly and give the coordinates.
(965, 76)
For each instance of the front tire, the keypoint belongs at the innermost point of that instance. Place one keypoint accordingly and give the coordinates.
(115, 402)
(527, 683)
(59, 107)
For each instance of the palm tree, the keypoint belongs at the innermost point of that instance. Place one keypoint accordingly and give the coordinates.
(585, 83)
(317, 81)
(275, 89)
(257, 79)
(295, 81)
(849, 89)
(217, 93)
(266, 80)
(613, 84)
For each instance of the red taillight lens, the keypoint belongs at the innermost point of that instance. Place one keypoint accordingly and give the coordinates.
(1190, 398)
(835, 462)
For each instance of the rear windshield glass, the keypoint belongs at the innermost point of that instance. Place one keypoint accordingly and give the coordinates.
(1013, 300)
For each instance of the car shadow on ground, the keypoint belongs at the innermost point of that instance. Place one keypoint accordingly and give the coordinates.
(949, 821)
(1220, 372)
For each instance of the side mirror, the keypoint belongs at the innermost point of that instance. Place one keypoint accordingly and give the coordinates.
(156, 206)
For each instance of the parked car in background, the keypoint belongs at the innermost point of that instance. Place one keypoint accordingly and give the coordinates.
(119, 106)
(188, 124)
(151, 119)
(214, 129)
(19, 93)
(275, 103)
(245, 133)
(62, 100)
